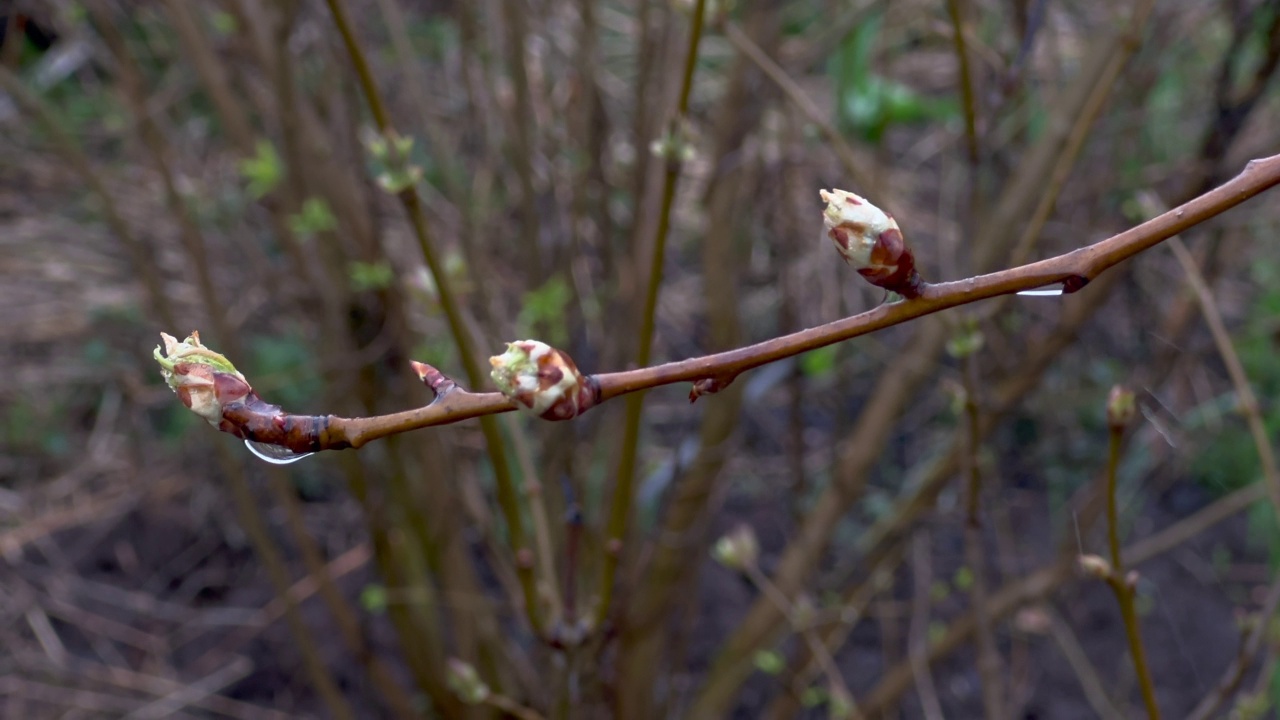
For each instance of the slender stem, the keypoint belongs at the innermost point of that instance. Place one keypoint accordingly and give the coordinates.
(836, 142)
(624, 488)
(956, 13)
(1235, 369)
(1122, 585)
(817, 649)
(508, 497)
(1033, 586)
(989, 664)
(1113, 514)
(1249, 649)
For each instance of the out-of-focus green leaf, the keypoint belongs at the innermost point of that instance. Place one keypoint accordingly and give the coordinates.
(819, 362)
(543, 311)
(867, 104)
(263, 171)
(371, 275)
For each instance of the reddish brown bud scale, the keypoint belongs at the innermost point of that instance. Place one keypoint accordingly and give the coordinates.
(543, 380)
(869, 239)
(436, 381)
(708, 386)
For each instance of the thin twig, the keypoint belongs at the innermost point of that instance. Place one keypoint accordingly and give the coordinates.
(1249, 649)
(1090, 681)
(835, 141)
(508, 496)
(816, 647)
(624, 490)
(1125, 585)
(1073, 267)
(956, 14)
(989, 663)
(1248, 402)
(918, 650)
(1040, 583)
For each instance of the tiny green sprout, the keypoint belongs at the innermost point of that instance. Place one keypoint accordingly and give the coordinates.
(313, 217)
(738, 550)
(373, 598)
(675, 146)
(466, 683)
(966, 342)
(391, 152)
(813, 696)
(371, 276)
(1121, 408)
(769, 662)
(264, 171)
(224, 23)
(1251, 706)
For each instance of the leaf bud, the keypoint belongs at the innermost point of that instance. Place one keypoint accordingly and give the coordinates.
(869, 239)
(1094, 566)
(205, 381)
(737, 550)
(465, 682)
(543, 380)
(1121, 408)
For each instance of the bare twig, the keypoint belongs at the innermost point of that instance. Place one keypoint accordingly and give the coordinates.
(1120, 412)
(1249, 649)
(623, 489)
(922, 577)
(508, 496)
(1239, 379)
(1073, 269)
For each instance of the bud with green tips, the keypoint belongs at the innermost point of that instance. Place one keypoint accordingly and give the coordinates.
(466, 683)
(204, 380)
(738, 550)
(869, 239)
(1122, 405)
(392, 152)
(543, 380)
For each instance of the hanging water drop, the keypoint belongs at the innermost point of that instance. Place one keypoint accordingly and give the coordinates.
(1043, 292)
(275, 454)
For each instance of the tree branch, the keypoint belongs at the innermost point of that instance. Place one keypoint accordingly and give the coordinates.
(1073, 270)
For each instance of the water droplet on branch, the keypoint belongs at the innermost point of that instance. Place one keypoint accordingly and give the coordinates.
(275, 454)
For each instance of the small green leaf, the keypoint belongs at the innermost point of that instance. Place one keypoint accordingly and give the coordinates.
(371, 276)
(819, 362)
(263, 171)
(769, 662)
(813, 696)
(224, 23)
(314, 217)
(373, 598)
(542, 312)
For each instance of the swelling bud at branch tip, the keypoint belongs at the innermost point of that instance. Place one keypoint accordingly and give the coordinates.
(869, 239)
(1122, 406)
(543, 380)
(205, 381)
